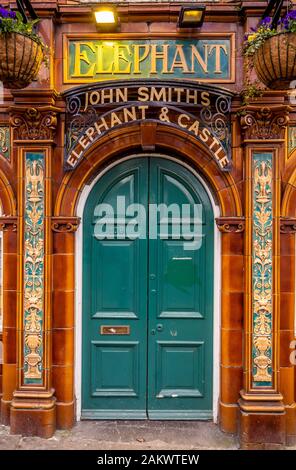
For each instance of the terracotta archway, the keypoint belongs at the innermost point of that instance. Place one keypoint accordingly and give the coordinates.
(136, 139)
(8, 224)
(143, 137)
(7, 197)
(289, 195)
(287, 284)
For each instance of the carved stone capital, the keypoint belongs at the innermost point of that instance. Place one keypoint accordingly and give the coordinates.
(34, 124)
(8, 223)
(65, 224)
(265, 123)
(231, 224)
(288, 225)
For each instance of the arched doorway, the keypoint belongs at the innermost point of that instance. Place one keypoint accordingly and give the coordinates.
(147, 310)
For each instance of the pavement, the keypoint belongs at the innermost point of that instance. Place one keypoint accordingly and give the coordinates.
(127, 435)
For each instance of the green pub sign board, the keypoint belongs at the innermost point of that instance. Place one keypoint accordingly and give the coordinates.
(203, 58)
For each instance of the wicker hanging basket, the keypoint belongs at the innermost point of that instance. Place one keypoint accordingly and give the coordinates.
(20, 60)
(275, 61)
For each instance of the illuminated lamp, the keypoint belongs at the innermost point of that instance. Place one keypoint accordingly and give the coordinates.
(191, 17)
(106, 18)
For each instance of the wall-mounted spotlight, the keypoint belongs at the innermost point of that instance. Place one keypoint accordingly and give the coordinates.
(106, 18)
(192, 17)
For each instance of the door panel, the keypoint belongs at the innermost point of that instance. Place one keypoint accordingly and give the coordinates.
(160, 289)
(105, 358)
(180, 301)
(120, 274)
(180, 276)
(115, 295)
(180, 368)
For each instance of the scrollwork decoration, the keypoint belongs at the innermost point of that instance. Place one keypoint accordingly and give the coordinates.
(265, 123)
(34, 123)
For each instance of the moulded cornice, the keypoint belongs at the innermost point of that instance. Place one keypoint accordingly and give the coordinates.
(8, 223)
(231, 224)
(288, 225)
(65, 224)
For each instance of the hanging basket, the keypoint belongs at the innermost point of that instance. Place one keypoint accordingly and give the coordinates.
(275, 61)
(20, 60)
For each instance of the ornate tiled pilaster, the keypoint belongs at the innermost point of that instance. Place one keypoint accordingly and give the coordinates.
(5, 141)
(262, 270)
(33, 400)
(291, 139)
(33, 405)
(261, 403)
(34, 267)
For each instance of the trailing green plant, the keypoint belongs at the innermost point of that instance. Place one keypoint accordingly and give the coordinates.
(252, 89)
(12, 22)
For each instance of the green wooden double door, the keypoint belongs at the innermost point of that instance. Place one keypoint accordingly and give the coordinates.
(147, 335)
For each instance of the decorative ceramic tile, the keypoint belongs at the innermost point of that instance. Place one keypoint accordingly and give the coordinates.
(262, 269)
(292, 139)
(33, 267)
(5, 141)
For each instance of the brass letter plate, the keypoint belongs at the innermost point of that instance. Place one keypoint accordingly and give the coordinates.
(115, 330)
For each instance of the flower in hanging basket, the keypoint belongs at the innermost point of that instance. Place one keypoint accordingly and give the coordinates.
(272, 51)
(21, 50)
(7, 13)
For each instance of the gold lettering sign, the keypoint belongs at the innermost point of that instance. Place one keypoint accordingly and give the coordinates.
(207, 58)
(199, 110)
(130, 114)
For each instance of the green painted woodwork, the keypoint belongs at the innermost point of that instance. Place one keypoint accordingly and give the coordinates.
(163, 369)
(180, 356)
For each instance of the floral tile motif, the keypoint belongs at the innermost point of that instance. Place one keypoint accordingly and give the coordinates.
(262, 269)
(5, 142)
(291, 139)
(33, 267)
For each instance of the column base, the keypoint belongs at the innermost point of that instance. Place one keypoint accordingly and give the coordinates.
(65, 415)
(33, 415)
(228, 418)
(291, 424)
(262, 422)
(5, 412)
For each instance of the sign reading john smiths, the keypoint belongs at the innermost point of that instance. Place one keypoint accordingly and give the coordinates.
(203, 58)
(200, 110)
